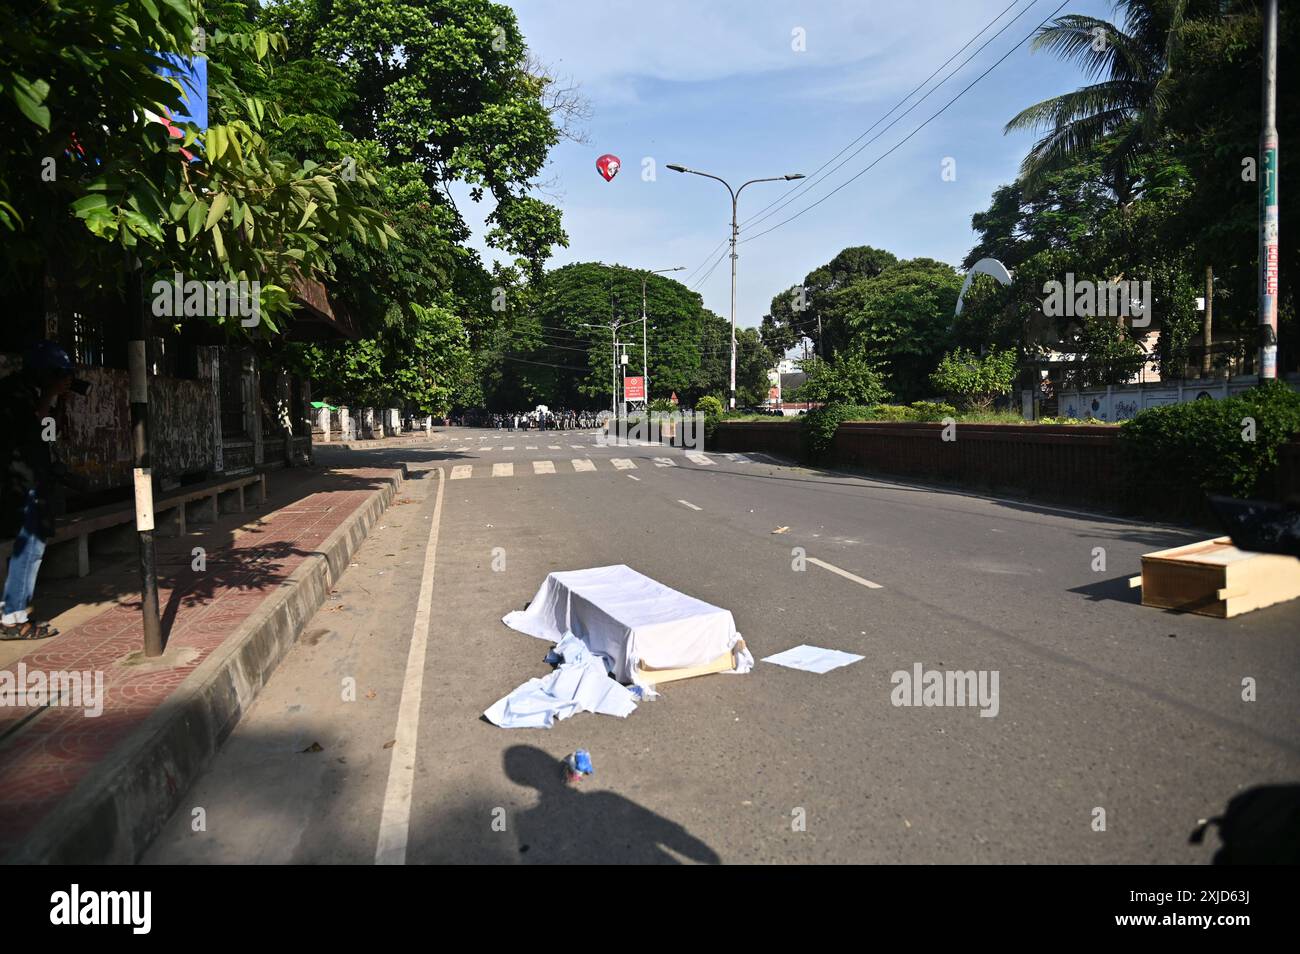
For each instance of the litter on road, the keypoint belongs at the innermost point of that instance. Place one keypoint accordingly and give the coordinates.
(813, 659)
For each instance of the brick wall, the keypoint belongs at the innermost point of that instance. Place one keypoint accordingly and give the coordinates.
(1074, 464)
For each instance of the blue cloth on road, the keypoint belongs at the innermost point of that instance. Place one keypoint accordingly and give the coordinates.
(581, 683)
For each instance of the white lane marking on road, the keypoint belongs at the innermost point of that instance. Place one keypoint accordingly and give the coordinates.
(687, 503)
(543, 467)
(665, 462)
(844, 573)
(622, 463)
(503, 470)
(395, 821)
(576, 446)
(462, 471)
(698, 459)
(552, 446)
(738, 458)
(633, 477)
(530, 447)
(511, 447)
(461, 450)
(580, 464)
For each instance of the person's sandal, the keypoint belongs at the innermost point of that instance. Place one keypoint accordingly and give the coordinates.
(26, 631)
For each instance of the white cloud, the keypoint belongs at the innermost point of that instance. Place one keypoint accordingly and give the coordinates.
(612, 47)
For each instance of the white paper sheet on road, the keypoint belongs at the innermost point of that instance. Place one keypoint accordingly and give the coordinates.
(813, 659)
(581, 683)
(630, 620)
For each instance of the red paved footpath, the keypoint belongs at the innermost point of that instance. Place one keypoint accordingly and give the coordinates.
(43, 760)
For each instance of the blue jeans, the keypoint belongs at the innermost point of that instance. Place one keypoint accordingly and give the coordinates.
(25, 563)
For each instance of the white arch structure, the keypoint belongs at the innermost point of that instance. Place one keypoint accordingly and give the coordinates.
(985, 266)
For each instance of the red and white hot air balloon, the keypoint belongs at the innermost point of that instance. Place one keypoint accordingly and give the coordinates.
(608, 166)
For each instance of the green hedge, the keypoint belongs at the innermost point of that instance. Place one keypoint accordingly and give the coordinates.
(821, 423)
(1179, 452)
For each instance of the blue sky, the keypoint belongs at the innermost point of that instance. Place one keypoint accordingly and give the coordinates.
(717, 86)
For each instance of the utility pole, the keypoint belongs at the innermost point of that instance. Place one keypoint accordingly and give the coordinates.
(1207, 327)
(137, 359)
(645, 374)
(1268, 210)
(735, 231)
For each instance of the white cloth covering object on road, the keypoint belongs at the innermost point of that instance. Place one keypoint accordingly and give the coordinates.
(631, 620)
(581, 683)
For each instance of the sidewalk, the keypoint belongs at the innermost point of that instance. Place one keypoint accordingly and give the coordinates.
(76, 787)
(404, 439)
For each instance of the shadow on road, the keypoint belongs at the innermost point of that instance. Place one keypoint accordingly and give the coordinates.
(571, 826)
(1261, 826)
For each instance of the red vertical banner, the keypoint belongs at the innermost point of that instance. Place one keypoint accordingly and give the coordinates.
(634, 389)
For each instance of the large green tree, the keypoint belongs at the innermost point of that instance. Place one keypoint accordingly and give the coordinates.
(447, 86)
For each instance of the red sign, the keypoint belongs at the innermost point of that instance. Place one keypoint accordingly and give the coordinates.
(634, 389)
(673, 399)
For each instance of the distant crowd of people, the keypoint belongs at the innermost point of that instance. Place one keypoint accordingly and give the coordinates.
(558, 420)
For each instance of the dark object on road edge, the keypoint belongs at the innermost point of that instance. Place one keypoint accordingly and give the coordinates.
(1260, 526)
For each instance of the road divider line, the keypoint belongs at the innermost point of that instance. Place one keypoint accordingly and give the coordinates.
(623, 463)
(687, 503)
(845, 573)
(503, 470)
(633, 477)
(543, 467)
(462, 471)
(395, 821)
(581, 464)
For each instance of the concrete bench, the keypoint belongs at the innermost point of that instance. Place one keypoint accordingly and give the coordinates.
(114, 525)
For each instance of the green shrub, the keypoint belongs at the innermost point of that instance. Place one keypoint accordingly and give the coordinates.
(893, 412)
(850, 379)
(709, 406)
(933, 410)
(1070, 420)
(821, 423)
(973, 381)
(1182, 450)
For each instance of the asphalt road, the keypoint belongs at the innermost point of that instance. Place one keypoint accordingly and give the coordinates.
(1103, 706)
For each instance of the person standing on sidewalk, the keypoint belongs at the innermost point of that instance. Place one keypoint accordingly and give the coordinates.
(27, 479)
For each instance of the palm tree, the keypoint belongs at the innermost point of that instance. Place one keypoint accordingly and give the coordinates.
(1130, 68)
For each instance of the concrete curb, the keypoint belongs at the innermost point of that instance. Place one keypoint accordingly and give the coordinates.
(118, 809)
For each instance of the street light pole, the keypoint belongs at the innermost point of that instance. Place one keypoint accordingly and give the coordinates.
(735, 230)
